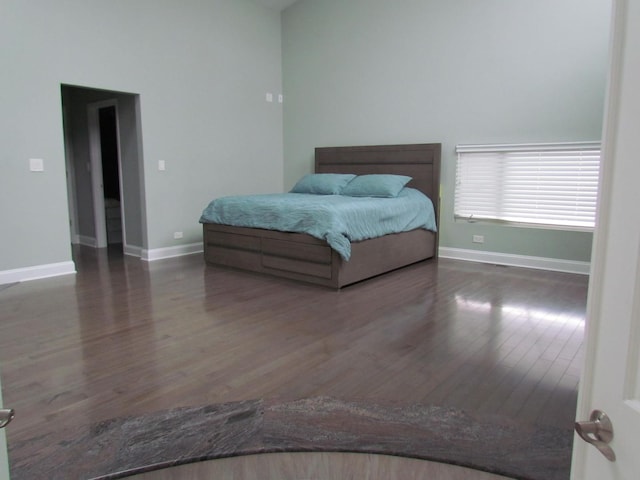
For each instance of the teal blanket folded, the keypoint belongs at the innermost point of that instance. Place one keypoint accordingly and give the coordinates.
(337, 219)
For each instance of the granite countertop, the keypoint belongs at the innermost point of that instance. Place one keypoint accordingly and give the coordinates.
(124, 446)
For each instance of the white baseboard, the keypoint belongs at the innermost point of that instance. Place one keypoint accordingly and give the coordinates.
(87, 241)
(540, 263)
(170, 252)
(132, 251)
(37, 272)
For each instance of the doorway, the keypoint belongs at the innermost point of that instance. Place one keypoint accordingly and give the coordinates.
(110, 163)
(103, 147)
(106, 178)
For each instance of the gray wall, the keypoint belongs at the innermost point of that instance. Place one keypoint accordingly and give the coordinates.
(201, 69)
(355, 72)
(77, 132)
(130, 129)
(363, 72)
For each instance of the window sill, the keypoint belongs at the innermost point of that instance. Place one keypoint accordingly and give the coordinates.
(536, 226)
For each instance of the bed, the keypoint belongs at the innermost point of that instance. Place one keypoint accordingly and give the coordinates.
(301, 257)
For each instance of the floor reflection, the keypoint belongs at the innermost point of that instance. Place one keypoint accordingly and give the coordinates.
(127, 337)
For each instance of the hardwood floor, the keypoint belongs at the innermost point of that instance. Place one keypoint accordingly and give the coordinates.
(126, 337)
(314, 465)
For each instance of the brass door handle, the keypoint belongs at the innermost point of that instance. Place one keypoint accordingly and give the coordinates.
(598, 431)
(6, 415)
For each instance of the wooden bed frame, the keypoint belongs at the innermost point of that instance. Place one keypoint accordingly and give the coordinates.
(304, 258)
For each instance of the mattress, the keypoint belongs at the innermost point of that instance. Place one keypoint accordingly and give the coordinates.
(337, 219)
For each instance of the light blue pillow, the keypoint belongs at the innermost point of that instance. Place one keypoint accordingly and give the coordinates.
(376, 185)
(323, 183)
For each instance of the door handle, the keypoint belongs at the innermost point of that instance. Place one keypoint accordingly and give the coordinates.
(598, 431)
(6, 415)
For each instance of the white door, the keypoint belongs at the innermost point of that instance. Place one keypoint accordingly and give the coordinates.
(611, 380)
(4, 461)
(97, 178)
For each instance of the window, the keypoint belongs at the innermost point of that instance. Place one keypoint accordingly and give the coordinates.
(552, 185)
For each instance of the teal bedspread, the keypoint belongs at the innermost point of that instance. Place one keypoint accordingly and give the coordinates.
(335, 218)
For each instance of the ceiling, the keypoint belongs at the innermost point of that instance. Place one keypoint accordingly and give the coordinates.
(277, 4)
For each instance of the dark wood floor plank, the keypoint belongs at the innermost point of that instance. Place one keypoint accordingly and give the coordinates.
(126, 337)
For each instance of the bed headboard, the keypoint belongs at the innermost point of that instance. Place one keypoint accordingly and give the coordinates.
(420, 161)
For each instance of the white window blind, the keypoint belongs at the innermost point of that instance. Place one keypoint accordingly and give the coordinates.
(538, 184)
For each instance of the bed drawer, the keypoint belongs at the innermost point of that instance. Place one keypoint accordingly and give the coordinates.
(232, 240)
(319, 270)
(299, 251)
(308, 259)
(234, 258)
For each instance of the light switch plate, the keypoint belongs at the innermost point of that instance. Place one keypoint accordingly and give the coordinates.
(36, 165)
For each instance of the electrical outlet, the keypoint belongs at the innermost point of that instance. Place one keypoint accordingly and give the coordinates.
(478, 239)
(177, 235)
